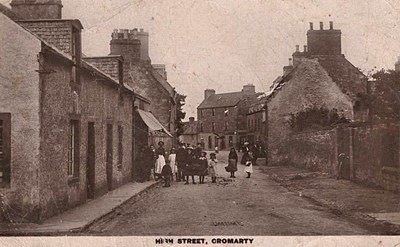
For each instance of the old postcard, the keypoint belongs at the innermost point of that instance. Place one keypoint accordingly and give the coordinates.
(198, 122)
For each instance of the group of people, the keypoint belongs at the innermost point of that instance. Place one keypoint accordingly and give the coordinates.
(186, 162)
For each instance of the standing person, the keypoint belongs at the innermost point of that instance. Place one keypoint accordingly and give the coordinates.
(181, 154)
(203, 167)
(188, 170)
(246, 151)
(212, 166)
(249, 165)
(198, 150)
(160, 162)
(166, 174)
(232, 162)
(141, 166)
(172, 163)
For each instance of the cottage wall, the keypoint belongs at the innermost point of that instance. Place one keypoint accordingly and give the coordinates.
(308, 85)
(96, 100)
(19, 95)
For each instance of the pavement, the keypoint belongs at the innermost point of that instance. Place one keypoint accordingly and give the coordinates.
(373, 207)
(78, 218)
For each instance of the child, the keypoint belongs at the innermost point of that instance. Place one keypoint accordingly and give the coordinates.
(172, 163)
(166, 173)
(203, 167)
(249, 164)
(212, 165)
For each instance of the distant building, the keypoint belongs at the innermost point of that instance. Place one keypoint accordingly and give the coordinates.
(397, 65)
(190, 133)
(222, 117)
(318, 76)
(257, 121)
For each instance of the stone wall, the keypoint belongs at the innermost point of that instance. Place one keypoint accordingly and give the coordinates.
(19, 95)
(314, 150)
(95, 100)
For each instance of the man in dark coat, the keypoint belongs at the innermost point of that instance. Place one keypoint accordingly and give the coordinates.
(181, 154)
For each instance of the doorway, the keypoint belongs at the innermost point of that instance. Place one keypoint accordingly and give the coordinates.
(109, 152)
(91, 161)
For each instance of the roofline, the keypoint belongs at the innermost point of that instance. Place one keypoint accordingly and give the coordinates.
(120, 57)
(74, 21)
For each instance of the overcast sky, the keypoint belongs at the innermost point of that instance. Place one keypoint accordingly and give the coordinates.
(223, 44)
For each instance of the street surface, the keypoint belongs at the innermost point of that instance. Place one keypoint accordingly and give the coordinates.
(239, 206)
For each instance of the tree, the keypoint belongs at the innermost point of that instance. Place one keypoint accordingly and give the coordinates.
(180, 114)
(385, 95)
(314, 118)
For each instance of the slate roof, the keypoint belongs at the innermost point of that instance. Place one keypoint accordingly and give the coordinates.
(221, 100)
(190, 128)
(8, 12)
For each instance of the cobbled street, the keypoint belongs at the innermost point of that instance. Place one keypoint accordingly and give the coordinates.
(239, 206)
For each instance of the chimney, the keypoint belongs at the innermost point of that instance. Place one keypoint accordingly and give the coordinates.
(305, 48)
(249, 89)
(290, 62)
(125, 44)
(321, 25)
(289, 68)
(297, 48)
(311, 26)
(191, 119)
(324, 42)
(144, 48)
(208, 93)
(37, 9)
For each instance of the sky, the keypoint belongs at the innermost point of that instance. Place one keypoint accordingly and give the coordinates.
(225, 44)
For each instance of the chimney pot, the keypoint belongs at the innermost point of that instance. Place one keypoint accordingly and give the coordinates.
(311, 26)
(331, 25)
(290, 62)
(321, 25)
(297, 48)
(141, 30)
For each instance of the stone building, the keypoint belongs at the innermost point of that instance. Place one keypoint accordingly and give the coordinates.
(318, 76)
(190, 133)
(222, 117)
(147, 79)
(257, 121)
(68, 126)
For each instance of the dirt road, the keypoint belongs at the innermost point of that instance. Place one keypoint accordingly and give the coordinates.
(239, 206)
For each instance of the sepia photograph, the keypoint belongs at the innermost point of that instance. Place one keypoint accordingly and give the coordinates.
(199, 122)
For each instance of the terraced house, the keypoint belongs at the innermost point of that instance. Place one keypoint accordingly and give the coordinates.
(69, 125)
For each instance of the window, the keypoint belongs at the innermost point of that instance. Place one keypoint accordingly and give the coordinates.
(76, 50)
(201, 127)
(73, 154)
(213, 111)
(226, 125)
(201, 113)
(259, 124)
(120, 145)
(216, 141)
(5, 149)
(213, 126)
(209, 142)
(226, 111)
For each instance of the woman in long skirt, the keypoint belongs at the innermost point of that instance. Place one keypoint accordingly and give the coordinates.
(160, 162)
(232, 162)
(172, 163)
(188, 170)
